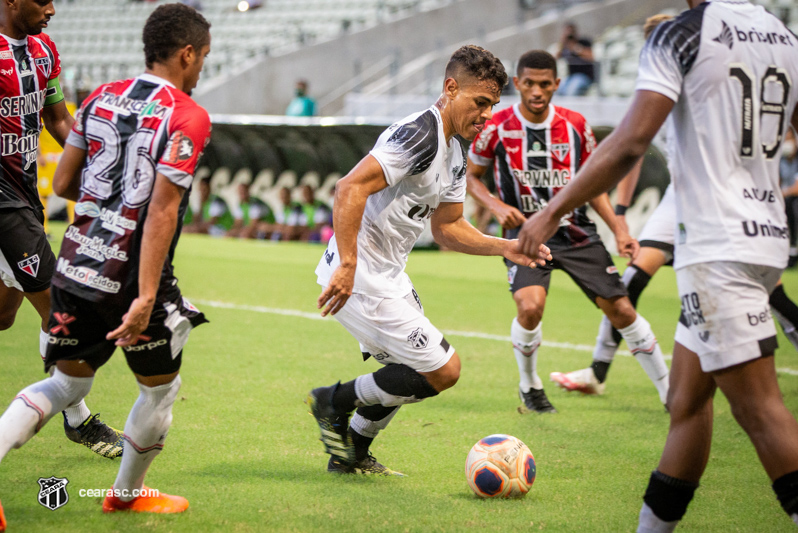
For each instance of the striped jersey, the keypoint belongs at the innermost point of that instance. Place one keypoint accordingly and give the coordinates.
(131, 131)
(27, 66)
(732, 70)
(532, 162)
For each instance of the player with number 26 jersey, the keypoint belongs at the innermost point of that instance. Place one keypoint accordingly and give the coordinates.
(131, 129)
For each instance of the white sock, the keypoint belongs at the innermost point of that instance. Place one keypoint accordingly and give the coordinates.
(370, 428)
(644, 346)
(77, 414)
(145, 432)
(606, 346)
(794, 518)
(649, 523)
(525, 346)
(369, 393)
(44, 341)
(35, 405)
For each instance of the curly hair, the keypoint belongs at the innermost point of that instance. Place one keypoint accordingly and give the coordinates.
(476, 62)
(171, 27)
(538, 60)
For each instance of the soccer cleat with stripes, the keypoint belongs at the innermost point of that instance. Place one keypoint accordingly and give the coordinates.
(583, 381)
(535, 401)
(94, 434)
(160, 504)
(368, 466)
(333, 425)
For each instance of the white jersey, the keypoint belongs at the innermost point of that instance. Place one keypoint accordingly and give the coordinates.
(422, 171)
(732, 69)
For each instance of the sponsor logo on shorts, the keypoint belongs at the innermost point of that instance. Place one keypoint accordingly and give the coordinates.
(94, 247)
(380, 356)
(612, 269)
(418, 339)
(752, 228)
(30, 265)
(329, 256)
(87, 276)
(511, 272)
(691, 310)
(149, 346)
(704, 336)
(62, 342)
(759, 318)
(63, 319)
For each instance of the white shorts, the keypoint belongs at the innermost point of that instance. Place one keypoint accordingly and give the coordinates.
(726, 316)
(660, 227)
(395, 331)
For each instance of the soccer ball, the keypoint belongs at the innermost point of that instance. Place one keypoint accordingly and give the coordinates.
(500, 466)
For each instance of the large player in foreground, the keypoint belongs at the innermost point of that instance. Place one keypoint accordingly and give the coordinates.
(31, 94)
(128, 162)
(728, 71)
(414, 173)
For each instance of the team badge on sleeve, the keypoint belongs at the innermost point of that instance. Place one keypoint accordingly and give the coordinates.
(418, 339)
(179, 148)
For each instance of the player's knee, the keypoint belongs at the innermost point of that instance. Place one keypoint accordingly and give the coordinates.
(529, 313)
(622, 314)
(754, 416)
(7, 319)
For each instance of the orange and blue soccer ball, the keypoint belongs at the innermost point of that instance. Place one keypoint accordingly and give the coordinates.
(500, 466)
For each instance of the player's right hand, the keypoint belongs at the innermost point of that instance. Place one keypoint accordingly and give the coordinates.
(336, 294)
(133, 324)
(508, 216)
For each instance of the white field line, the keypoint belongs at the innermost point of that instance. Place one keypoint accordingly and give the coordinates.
(452, 333)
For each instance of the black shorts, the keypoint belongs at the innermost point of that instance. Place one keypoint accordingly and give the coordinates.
(590, 266)
(26, 259)
(78, 327)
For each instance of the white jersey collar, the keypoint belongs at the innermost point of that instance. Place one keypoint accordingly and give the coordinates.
(524, 122)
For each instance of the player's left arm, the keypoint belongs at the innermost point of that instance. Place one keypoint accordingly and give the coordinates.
(452, 230)
(627, 245)
(610, 162)
(66, 180)
(55, 114)
(159, 229)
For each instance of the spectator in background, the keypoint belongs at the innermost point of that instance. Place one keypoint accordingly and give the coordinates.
(578, 52)
(288, 226)
(788, 173)
(316, 216)
(214, 217)
(302, 105)
(252, 218)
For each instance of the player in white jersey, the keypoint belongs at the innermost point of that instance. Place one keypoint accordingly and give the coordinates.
(415, 173)
(728, 71)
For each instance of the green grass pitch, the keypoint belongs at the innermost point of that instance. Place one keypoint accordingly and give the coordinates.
(245, 453)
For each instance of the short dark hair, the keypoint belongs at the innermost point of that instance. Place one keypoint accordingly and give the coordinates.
(476, 62)
(171, 27)
(537, 59)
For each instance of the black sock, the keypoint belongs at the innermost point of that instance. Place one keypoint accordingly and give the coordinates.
(361, 444)
(785, 307)
(668, 497)
(786, 489)
(344, 397)
(600, 369)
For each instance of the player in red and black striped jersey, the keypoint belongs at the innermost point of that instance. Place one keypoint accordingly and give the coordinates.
(535, 149)
(128, 162)
(29, 94)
